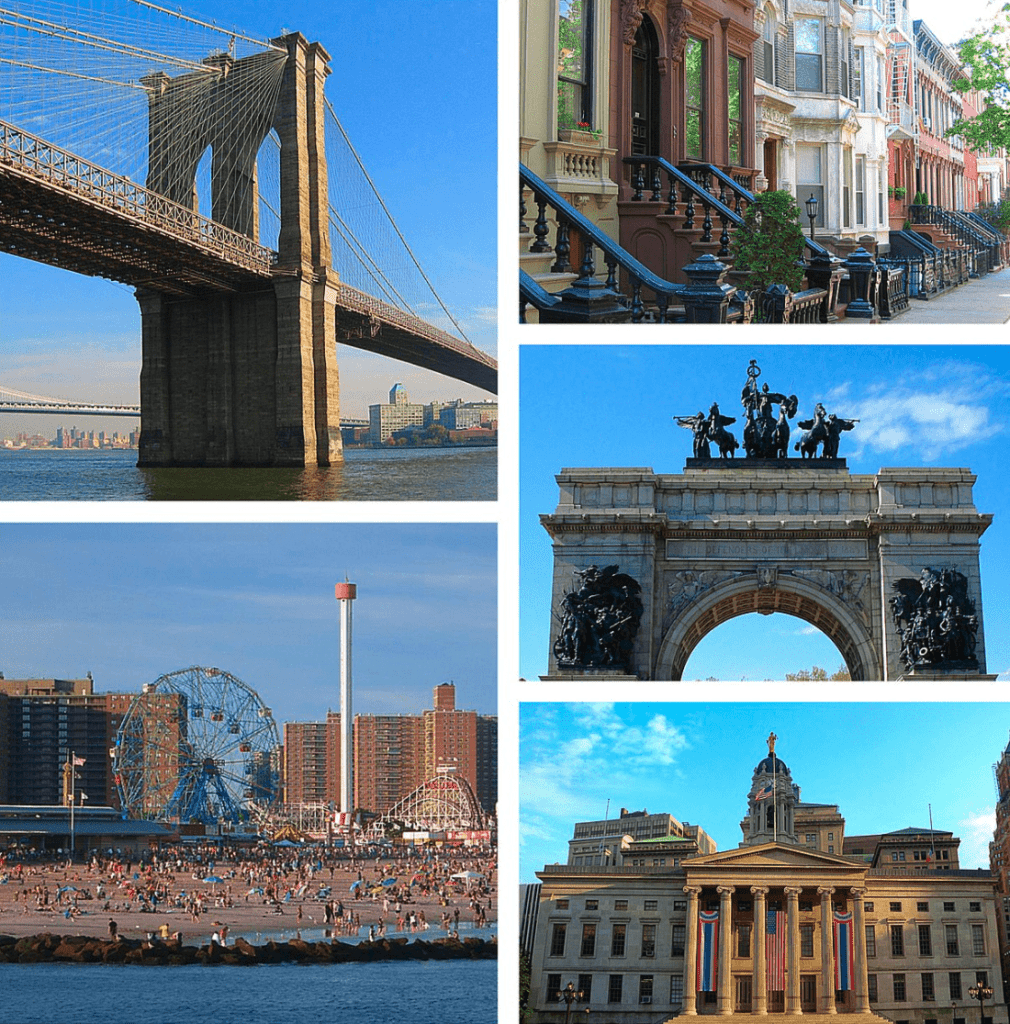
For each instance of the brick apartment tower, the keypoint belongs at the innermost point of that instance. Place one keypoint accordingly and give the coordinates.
(999, 854)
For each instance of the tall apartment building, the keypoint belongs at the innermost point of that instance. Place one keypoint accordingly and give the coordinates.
(394, 754)
(312, 761)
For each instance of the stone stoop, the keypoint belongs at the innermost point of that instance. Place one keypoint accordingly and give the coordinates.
(940, 238)
(783, 1018)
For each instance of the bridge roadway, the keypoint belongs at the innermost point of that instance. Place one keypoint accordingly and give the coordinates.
(59, 209)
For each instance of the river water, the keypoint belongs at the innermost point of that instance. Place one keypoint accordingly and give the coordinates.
(441, 992)
(366, 474)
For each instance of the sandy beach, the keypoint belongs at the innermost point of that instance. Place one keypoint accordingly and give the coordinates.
(249, 914)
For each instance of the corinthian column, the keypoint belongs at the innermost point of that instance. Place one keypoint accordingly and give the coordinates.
(759, 1005)
(827, 999)
(859, 967)
(725, 984)
(691, 952)
(793, 950)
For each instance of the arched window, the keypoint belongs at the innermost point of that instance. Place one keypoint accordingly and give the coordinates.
(575, 64)
(645, 91)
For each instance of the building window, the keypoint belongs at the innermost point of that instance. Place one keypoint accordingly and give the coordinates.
(809, 161)
(553, 988)
(857, 77)
(954, 982)
(651, 904)
(645, 988)
(922, 908)
(677, 990)
(948, 908)
(871, 984)
(899, 988)
(847, 187)
(843, 71)
(950, 931)
(860, 190)
(694, 97)
(975, 908)
(871, 940)
(574, 62)
(734, 100)
(928, 994)
(806, 940)
(558, 940)
(588, 940)
(592, 904)
(648, 940)
(620, 904)
(895, 908)
(615, 990)
(586, 987)
(880, 84)
(617, 939)
(743, 940)
(977, 940)
(679, 938)
(809, 55)
(680, 904)
(981, 978)
(561, 904)
(868, 908)
(897, 941)
(768, 34)
(925, 940)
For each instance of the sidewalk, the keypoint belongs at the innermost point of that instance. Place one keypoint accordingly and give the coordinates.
(982, 301)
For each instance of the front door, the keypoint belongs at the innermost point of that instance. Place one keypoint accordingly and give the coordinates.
(743, 993)
(808, 993)
(645, 91)
(771, 162)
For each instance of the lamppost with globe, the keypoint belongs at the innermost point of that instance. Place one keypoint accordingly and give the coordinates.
(811, 205)
(981, 993)
(571, 995)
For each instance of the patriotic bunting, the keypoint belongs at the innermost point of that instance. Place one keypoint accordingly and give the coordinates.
(708, 950)
(843, 951)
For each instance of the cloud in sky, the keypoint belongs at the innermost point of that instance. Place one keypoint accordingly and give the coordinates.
(941, 409)
(575, 756)
(976, 834)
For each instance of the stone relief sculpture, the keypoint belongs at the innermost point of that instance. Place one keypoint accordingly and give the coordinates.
(847, 585)
(599, 621)
(935, 620)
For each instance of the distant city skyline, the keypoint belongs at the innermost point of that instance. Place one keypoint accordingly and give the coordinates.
(131, 602)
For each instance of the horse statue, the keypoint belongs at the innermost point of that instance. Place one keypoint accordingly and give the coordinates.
(780, 436)
(815, 432)
(719, 435)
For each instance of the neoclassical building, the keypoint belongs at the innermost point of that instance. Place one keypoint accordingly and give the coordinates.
(796, 920)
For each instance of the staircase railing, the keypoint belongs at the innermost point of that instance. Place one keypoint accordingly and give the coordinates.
(742, 196)
(532, 294)
(568, 219)
(965, 234)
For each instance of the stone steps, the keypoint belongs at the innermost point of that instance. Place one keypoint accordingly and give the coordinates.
(783, 1018)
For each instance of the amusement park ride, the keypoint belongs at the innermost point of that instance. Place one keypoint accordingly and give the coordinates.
(199, 746)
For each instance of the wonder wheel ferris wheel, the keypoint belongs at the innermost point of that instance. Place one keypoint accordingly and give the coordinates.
(197, 745)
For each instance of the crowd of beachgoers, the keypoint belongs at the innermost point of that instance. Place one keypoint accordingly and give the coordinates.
(221, 891)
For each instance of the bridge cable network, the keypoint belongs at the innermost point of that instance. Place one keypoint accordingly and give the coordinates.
(78, 75)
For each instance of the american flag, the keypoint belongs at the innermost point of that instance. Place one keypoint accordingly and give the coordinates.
(775, 950)
(763, 794)
(78, 761)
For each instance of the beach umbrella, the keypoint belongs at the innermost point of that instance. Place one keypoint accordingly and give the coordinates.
(354, 885)
(68, 888)
(389, 881)
(213, 879)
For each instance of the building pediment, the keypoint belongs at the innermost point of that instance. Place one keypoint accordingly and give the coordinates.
(774, 863)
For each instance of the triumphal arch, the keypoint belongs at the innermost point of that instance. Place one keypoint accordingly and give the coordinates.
(885, 564)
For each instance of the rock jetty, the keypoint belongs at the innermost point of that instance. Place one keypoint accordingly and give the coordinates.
(82, 949)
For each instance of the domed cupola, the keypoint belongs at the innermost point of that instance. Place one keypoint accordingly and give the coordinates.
(771, 802)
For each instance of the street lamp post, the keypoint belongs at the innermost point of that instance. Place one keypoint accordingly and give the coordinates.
(981, 993)
(811, 205)
(571, 995)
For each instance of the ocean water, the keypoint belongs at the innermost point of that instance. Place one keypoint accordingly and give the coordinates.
(366, 474)
(445, 992)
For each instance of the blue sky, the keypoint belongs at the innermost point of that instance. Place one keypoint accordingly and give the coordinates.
(131, 602)
(883, 764)
(611, 405)
(425, 127)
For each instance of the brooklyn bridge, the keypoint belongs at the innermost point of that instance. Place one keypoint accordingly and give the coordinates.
(193, 164)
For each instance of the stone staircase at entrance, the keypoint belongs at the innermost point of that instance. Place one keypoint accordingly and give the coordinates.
(783, 1018)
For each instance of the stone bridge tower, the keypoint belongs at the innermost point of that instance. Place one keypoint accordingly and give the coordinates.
(244, 377)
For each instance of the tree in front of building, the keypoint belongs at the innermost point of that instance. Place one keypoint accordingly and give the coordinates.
(769, 243)
(525, 1010)
(985, 57)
